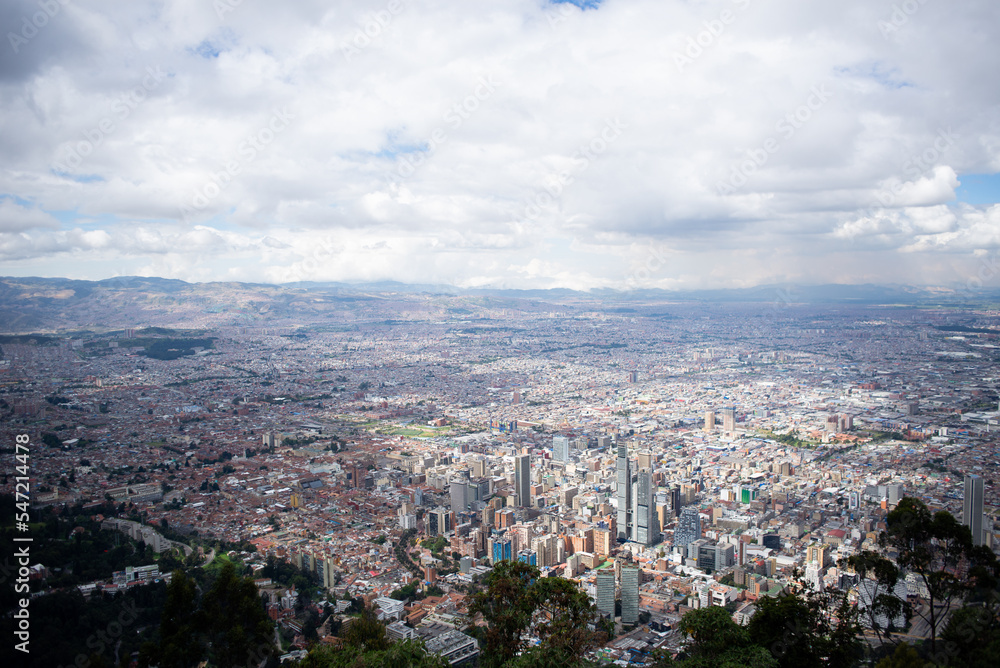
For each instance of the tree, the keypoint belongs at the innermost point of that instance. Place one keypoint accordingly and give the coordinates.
(881, 576)
(515, 598)
(971, 636)
(807, 628)
(904, 657)
(507, 607)
(562, 616)
(180, 641)
(409, 653)
(937, 549)
(717, 642)
(365, 632)
(235, 620)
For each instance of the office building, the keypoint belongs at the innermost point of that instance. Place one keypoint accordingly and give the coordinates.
(818, 553)
(644, 460)
(459, 495)
(729, 419)
(688, 526)
(522, 480)
(503, 550)
(438, 521)
(529, 557)
(972, 507)
(674, 500)
(623, 490)
(647, 525)
(560, 448)
(606, 592)
(709, 420)
(630, 594)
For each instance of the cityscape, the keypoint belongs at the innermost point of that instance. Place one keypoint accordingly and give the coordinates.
(662, 455)
(520, 334)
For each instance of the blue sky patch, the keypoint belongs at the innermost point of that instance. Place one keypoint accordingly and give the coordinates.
(978, 188)
(582, 4)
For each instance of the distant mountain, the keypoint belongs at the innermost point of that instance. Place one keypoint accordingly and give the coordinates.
(35, 304)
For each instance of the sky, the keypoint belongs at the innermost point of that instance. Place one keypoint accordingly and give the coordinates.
(676, 144)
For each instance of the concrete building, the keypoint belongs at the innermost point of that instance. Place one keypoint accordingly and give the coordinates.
(647, 525)
(688, 526)
(728, 419)
(606, 592)
(623, 491)
(972, 507)
(456, 648)
(522, 480)
(630, 594)
(560, 448)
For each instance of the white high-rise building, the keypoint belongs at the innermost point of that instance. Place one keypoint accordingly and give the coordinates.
(560, 448)
(623, 490)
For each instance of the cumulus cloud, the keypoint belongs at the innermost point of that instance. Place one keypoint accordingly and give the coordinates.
(523, 143)
(15, 217)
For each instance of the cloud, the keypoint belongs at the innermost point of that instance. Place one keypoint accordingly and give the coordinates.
(444, 139)
(17, 218)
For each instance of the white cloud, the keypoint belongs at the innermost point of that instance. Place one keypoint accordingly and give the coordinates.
(17, 218)
(422, 149)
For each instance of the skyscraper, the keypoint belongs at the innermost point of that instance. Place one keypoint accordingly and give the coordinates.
(729, 419)
(560, 448)
(459, 496)
(688, 526)
(675, 500)
(972, 508)
(438, 521)
(624, 492)
(606, 592)
(630, 594)
(647, 529)
(522, 480)
(502, 550)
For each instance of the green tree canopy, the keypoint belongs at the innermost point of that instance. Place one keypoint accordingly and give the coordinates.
(938, 550)
(233, 617)
(514, 599)
(717, 642)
